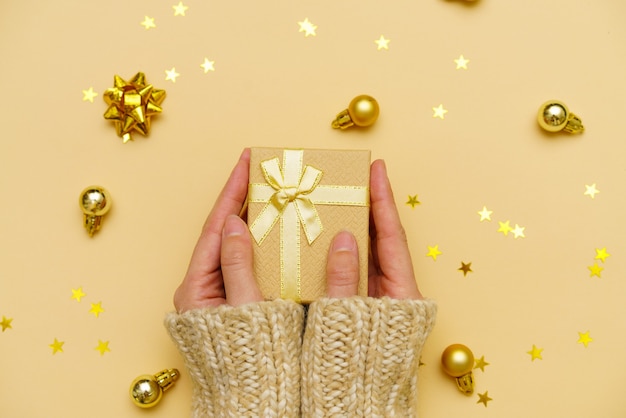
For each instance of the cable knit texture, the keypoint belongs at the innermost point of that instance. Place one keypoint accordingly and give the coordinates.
(244, 361)
(360, 356)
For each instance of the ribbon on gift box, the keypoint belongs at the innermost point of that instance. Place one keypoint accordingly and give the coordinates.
(290, 196)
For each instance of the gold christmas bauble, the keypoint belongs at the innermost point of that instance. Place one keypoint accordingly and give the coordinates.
(146, 391)
(363, 110)
(457, 360)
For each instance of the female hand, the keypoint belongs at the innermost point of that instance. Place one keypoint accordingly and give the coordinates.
(220, 270)
(390, 267)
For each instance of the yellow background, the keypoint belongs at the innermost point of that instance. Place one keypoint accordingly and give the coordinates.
(273, 86)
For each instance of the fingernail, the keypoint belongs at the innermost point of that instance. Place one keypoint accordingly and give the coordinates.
(344, 241)
(233, 226)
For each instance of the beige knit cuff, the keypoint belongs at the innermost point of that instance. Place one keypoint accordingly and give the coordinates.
(243, 361)
(360, 356)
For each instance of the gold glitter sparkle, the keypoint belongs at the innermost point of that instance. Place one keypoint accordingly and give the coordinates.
(307, 27)
(439, 112)
(382, 43)
(461, 62)
(148, 22)
(413, 201)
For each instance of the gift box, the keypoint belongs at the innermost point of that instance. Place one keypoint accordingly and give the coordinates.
(298, 200)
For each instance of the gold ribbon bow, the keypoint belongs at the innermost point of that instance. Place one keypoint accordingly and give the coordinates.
(290, 195)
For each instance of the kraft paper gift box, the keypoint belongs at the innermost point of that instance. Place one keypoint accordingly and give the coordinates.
(298, 200)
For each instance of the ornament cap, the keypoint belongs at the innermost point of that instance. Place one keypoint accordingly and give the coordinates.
(362, 111)
(554, 116)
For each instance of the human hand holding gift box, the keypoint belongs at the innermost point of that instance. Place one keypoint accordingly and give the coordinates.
(298, 201)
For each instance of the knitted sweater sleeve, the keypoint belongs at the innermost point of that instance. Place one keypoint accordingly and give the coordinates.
(243, 361)
(360, 356)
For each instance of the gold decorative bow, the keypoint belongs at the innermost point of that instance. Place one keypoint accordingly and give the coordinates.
(290, 195)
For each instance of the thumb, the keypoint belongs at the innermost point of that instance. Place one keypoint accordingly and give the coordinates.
(342, 268)
(236, 259)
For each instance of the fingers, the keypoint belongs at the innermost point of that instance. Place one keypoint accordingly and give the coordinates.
(342, 268)
(205, 257)
(391, 248)
(237, 265)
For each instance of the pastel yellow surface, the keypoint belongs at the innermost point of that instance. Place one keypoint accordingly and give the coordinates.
(243, 74)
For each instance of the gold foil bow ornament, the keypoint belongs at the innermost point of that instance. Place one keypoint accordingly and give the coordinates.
(132, 104)
(290, 196)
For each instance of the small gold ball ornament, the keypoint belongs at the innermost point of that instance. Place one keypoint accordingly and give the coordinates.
(95, 202)
(554, 116)
(362, 111)
(457, 361)
(146, 390)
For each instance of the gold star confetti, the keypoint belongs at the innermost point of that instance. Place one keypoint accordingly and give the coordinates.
(535, 353)
(171, 75)
(518, 231)
(307, 27)
(6, 323)
(413, 201)
(103, 346)
(180, 9)
(485, 214)
(57, 346)
(484, 398)
(481, 363)
(88, 95)
(505, 228)
(595, 270)
(465, 268)
(433, 252)
(584, 338)
(439, 112)
(601, 254)
(148, 22)
(96, 309)
(207, 65)
(78, 294)
(382, 43)
(591, 191)
(461, 62)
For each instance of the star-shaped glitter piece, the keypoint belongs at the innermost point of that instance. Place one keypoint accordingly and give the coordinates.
(439, 112)
(88, 95)
(131, 105)
(461, 62)
(103, 347)
(6, 323)
(535, 353)
(584, 338)
(180, 9)
(485, 214)
(601, 254)
(591, 191)
(465, 268)
(505, 228)
(148, 22)
(484, 398)
(78, 294)
(595, 270)
(96, 309)
(57, 346)
(307, 27)
(433, 252)
(171, 75)
(413, 201)
(481, 363)
(518, 231)
(382, 43)
(207, 65)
